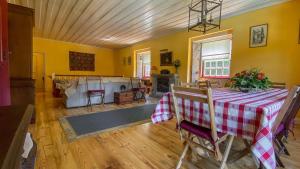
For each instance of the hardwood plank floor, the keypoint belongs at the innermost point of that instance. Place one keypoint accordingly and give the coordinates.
(144, 146)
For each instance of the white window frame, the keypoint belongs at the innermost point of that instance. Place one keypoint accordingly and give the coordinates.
(204, 61)
(216, 68)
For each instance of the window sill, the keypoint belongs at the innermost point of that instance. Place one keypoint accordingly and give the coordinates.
(215, 77)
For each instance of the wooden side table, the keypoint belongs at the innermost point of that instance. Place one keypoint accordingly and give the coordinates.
(123, 97)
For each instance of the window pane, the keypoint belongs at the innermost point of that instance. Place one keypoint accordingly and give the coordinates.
(219, 72)
(226, 72)
(220, 63)
(213, 64)
(207, 64)
(226, 63)
(213, 72)
(207, 72)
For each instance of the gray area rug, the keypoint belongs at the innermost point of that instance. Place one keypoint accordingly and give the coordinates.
(89, 124)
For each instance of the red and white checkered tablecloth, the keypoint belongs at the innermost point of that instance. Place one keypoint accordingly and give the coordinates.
(246, 115)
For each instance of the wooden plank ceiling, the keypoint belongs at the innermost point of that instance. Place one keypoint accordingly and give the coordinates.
(119, 23)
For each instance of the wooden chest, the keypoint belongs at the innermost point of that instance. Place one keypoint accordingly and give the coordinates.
(123, 97)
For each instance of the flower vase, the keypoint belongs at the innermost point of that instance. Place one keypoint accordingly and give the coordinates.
(244, 90)
(249, 90)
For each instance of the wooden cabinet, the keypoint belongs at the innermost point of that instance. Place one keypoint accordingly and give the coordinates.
(4, 65)
(20, 26)
(22, 91)
(123, 97)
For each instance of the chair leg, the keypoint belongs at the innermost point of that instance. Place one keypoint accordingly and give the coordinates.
(137, 98)
(89, 104)
(283, 147)
(228, 148)
(182, 156)
(134, 96)
(102, 98)
(278, 160)
(143, 96)
(261, 166)
(89, 101)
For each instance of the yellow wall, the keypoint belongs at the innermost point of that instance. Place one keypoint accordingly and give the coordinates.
(57, 58)
(280, 59)
(121, 69)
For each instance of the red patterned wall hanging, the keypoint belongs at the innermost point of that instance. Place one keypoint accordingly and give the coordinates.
(81, 61)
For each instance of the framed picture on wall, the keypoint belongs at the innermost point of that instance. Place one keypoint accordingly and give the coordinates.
(258, 36)
(166, 59)
(79, 61)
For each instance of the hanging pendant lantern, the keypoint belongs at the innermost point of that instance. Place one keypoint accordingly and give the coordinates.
(204, 15)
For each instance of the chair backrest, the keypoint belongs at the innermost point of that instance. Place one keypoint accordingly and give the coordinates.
(278, 85)
(217, 82)
(96, 79)
(289, 108)
(137, 81)
(201, 84)
(184, 84)
(203, 95)
(293, 110)
(213, 84)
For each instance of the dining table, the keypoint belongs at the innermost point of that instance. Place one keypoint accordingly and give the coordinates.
(249, 116)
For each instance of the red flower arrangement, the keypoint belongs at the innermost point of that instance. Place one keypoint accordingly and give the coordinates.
(249, 80)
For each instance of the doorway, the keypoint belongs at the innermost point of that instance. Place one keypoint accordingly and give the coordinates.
(38, 71)
(143, 60)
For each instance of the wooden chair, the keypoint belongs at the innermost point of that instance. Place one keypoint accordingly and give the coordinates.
(284, 121)
(217, 82)
(208, 139)
(91, 92)
(278, 85)
(139, 92)
(214, 84)
(201, 84)
(184, 84)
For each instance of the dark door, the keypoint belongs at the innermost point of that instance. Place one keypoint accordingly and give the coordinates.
(4, 68)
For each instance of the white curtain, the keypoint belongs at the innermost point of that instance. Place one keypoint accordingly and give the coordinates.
(216, 47)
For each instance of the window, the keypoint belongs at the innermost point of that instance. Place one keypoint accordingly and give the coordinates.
(211, 58)
(143, 64)
(215, 58)
(216, 68)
